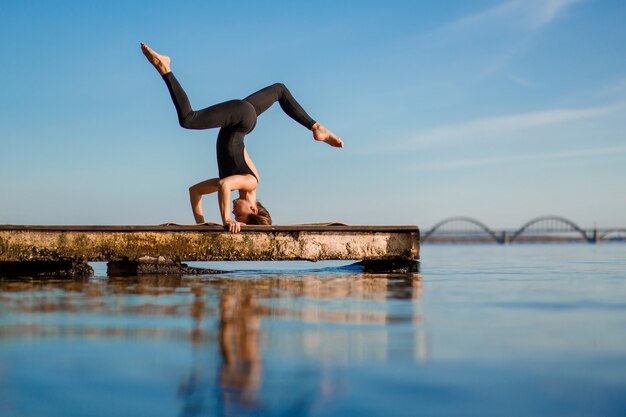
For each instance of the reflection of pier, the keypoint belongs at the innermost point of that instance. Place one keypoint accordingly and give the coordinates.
(247, 382)
(540, 229)
(246, 355)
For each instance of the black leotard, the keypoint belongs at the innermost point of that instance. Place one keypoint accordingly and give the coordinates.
(236, 118)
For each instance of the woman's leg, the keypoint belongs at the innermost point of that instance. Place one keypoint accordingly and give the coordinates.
(239, 113)
(236, 113)
(264, 98)
(228, 113)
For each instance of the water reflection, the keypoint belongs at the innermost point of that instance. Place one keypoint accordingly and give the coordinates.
(240, 370)
(235, 326)
(241, 312)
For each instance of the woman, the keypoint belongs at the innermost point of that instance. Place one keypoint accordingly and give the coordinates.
(235, 118)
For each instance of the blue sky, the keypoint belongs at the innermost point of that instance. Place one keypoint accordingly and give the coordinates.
(499, 110)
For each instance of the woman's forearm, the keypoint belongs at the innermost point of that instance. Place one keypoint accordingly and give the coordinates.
(223, 196)
(196, 205)
(195, 196)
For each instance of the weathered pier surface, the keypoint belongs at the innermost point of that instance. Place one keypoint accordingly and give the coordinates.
(65, 250)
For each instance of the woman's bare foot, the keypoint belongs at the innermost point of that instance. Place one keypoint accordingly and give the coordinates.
(160, 62)
(324, 135)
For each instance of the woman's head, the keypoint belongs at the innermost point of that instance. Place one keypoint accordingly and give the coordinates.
(251, 214)
(261, 217)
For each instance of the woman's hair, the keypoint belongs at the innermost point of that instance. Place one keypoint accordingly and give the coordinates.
(261, 218)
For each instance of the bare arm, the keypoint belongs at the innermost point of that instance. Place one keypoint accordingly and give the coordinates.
(226, 185)
(195, 196)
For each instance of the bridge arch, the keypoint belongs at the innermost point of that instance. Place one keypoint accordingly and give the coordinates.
(610, 234)
(573, 226)
(461, 219)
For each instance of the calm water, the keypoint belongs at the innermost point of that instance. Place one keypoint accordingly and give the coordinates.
(520, 330)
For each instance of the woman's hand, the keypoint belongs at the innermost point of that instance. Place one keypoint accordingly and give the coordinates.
(225, 186)
(233, 226)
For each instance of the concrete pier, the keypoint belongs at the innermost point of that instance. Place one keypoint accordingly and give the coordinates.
(383, 248)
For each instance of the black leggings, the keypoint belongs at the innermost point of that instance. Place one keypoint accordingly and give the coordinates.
(236, 118)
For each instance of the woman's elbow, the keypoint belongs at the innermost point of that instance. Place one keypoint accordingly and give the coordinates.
(194, 192)
(223, 185)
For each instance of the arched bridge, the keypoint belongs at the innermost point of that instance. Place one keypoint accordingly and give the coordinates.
(543, 228)
(460, 220)
(550, 224)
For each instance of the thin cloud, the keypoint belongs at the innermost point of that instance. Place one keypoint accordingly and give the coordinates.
(615, 88)
(502, 125)
(496, 13)
(547, 11)
(500, 33)
(508, 159)
(531, 14)
(521, 80)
